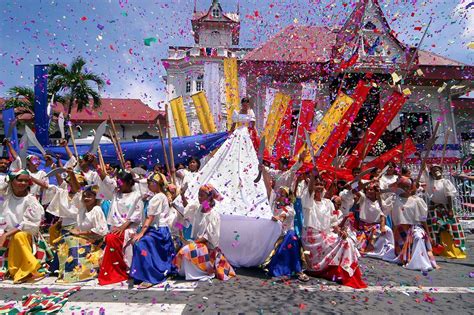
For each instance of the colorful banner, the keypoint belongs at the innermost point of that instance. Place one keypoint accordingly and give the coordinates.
(338, 136)
(204, 113)
(304, 122)
(282, 144)
(388, 112)
(393, 155)
(231, 88)
(275, 118)
(149, 152)
(212, 88)
(329, 121)
(41, 104)
(179, 117)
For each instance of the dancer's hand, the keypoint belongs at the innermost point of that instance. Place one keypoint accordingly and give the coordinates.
(136, 238)
(3, 239)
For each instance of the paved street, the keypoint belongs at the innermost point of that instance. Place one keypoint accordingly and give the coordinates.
(392, 289)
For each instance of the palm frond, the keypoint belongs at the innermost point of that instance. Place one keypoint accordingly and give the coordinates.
(77, 65)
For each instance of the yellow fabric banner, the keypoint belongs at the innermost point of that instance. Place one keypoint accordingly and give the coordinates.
(231, 88)
(275, 118)
(328, 123)
(203, 112)
(179, 116)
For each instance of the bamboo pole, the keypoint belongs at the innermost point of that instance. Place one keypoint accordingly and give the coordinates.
(429, 145)
(114, 141)
(117, 143)
(73, 142)
(101, 159)
(170, 147)
(404, 140)
(446, 138)
(160, 132)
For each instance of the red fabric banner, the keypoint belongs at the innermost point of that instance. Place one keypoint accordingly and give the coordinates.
(375, 131)
(339, 134)
(393, 155)
(304, 122)
(282, 145)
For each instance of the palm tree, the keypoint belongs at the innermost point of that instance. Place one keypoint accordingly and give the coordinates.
(75, 84)
(21, 96)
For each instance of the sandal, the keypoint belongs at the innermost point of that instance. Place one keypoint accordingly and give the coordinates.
(145, 285)
(303, 277)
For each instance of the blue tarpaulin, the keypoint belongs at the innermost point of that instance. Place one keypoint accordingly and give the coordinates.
(150, 152)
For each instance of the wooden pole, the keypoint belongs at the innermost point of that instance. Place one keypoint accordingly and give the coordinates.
(429, 145)
(170, 145)
(404, 140)
(101, 159)
(117, 143)
(160, 132)
(446, 138)
(112, 137)
(73, 142)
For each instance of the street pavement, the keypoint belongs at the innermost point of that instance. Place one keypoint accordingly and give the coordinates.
(392, 290)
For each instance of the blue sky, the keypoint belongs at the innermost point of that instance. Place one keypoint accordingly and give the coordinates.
(110, 33)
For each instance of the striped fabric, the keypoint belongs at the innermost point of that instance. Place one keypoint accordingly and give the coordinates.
(40, 302)
(440, 219)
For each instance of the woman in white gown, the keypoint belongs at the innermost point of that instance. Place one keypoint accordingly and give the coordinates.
(247, 232)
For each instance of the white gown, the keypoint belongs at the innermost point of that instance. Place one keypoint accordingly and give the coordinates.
(247, 234)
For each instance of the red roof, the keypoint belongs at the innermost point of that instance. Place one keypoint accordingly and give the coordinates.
(124, 111)
(314, 44)
(296, 43)
(427, 58)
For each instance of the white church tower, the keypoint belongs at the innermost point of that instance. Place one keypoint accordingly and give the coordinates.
(191, 69)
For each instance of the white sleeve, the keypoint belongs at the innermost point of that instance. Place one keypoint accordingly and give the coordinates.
(346, 195)
(273, 172)
(98, 221)
(32, 216)
(136, 211)
(15, 164)
(157, 205)
(212, 231)
(107, 188)
(449, 188)
(422, 210)
(235, 117)
(251, 115)
(71, 162)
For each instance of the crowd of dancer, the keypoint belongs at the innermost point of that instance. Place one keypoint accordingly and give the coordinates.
(133, 224)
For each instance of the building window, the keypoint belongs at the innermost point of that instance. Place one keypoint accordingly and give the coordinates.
(215, 12)
(200, 83)
(188, 86)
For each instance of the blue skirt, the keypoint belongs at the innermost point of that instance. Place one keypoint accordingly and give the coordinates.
(153, 256)
(298, 216)
(287, 259)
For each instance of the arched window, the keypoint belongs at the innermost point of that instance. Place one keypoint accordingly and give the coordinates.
(188, 85)
(215, 12)
(200, 83)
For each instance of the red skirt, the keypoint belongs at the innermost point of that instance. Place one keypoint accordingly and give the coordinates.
(339, 275)
(113, 268)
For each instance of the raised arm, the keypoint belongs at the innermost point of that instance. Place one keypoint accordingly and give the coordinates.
(267, 180)
(63, 143)
(8, 144)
